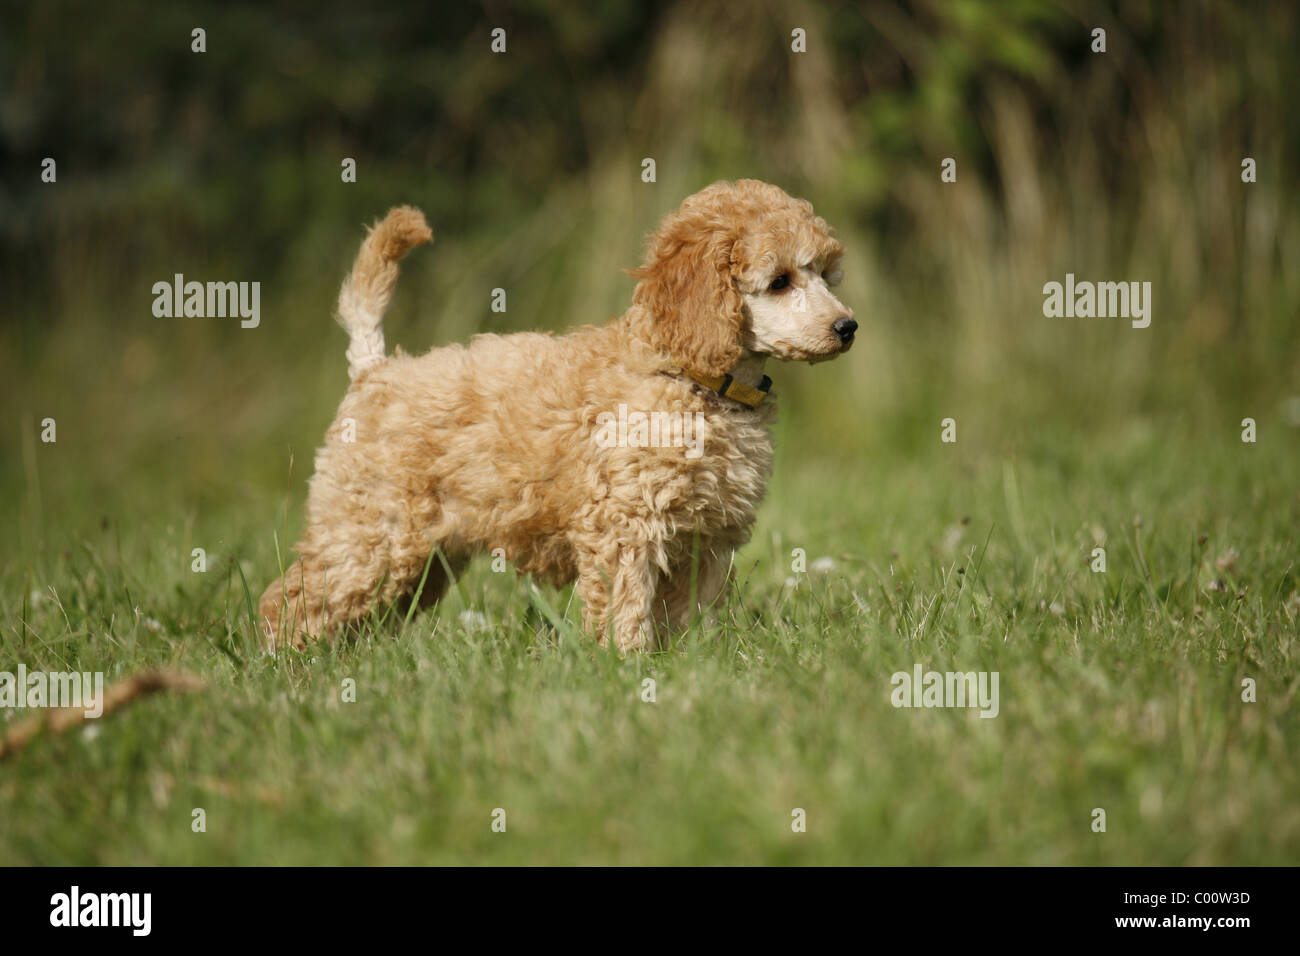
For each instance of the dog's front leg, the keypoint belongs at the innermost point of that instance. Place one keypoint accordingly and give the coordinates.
(673, 603)
(632, 600)
(618, 591)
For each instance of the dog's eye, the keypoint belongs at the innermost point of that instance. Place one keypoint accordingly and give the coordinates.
(779, 283)
(833, 276)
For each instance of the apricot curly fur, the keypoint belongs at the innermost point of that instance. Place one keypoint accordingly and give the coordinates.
(491, 445)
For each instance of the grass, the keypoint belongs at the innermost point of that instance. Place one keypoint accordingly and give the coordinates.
(1119, 691)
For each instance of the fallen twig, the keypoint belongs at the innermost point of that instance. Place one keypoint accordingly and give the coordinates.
(60, 720)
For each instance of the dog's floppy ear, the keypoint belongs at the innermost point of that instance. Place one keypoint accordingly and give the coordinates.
(694, 310)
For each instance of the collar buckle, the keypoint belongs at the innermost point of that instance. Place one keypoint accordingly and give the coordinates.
(728, 387)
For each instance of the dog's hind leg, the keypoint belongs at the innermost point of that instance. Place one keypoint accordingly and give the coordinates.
(435, 584)
(291, 611)
(341, 579)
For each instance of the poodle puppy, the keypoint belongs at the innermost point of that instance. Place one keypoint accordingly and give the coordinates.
(508, 445)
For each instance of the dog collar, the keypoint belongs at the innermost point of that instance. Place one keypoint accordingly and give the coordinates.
(728, 387)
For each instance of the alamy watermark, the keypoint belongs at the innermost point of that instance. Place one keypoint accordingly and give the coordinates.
(133, 911)
(211, 300)
(948, 689)
(53, 689)
(1102, 300)
(651, 430)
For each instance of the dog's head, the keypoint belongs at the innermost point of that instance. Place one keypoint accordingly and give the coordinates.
(743, 266)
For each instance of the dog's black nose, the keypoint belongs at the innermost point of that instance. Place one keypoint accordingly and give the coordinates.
(844, 328)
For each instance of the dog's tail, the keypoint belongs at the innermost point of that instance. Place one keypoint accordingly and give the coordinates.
(366, 293)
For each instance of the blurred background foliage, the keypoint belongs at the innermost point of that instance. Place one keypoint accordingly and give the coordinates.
(1121, 690)
(226, 165)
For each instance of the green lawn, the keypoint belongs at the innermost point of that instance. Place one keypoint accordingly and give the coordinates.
(1170, 159)
(1120, 691)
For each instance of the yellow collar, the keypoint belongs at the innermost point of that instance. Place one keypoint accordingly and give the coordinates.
(728, 387)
